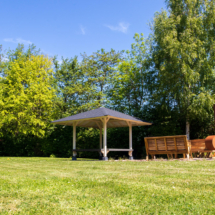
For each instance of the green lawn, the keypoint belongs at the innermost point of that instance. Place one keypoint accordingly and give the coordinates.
(61, 186)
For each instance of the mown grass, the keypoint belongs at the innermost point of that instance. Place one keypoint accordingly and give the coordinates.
(61, 186)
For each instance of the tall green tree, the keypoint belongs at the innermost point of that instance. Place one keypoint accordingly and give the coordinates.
(76, 92)
(181, 64)
(26, 93)
(68, 79)
(128, 92)
(99, 69)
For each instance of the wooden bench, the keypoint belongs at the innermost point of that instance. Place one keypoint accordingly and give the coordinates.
(198, 147)
(168, 145)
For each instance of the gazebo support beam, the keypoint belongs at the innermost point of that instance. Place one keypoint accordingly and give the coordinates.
(74, 141)
(100, 158)
(100, 139)
(130, 140)
(105, 120)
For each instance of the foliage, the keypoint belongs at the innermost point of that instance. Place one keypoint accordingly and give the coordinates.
(167, 79)
(60, 186)
(75, 91)
(26, 94)
(99, 69)
(128, 92)
(181, 65)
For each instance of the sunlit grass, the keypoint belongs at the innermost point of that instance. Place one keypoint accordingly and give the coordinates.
(62, 186)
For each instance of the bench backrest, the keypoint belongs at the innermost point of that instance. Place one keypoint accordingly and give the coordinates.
(166, 143)
(198, 144)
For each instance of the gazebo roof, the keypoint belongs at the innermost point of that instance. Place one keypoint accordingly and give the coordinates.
(92, 119)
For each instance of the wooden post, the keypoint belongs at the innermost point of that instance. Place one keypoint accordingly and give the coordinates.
(100, 158)
(188, 156)
(147, 151)
(147, 156)
(130, 141)
(100, 138)
(105, 138)
(105, 120)
(74, 141)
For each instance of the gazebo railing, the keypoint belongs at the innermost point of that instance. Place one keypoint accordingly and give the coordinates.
(102, 151)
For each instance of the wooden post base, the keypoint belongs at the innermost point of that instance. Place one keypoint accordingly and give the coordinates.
(131, 158)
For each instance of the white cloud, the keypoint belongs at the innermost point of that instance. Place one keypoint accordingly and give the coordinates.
(83, 30)
(18, 40)
(122, 27)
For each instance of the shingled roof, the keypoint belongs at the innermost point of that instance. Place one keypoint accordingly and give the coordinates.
(95, 114)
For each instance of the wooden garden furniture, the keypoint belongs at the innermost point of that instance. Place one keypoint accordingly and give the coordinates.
(168, 145)
(199, 147)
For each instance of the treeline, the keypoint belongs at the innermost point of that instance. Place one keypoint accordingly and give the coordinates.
(167, 78)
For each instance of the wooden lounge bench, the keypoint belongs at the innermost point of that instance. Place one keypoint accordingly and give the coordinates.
(198, 147)
(168, 145)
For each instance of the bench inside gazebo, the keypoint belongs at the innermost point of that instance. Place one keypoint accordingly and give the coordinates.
(101, 118)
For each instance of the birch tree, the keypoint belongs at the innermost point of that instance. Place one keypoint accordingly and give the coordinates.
(182, 58)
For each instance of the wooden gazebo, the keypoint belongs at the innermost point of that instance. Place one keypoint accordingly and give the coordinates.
(101, 118)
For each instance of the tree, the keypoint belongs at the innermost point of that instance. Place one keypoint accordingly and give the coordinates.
(128, 92)
(26, 93)
(76, 92)
(98, 69)
(0, 53)
(68, 79)
(181, 64)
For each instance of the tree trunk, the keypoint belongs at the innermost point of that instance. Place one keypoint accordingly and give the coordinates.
(188, 130)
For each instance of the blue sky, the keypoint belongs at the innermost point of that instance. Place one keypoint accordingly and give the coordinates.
(70, 27)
